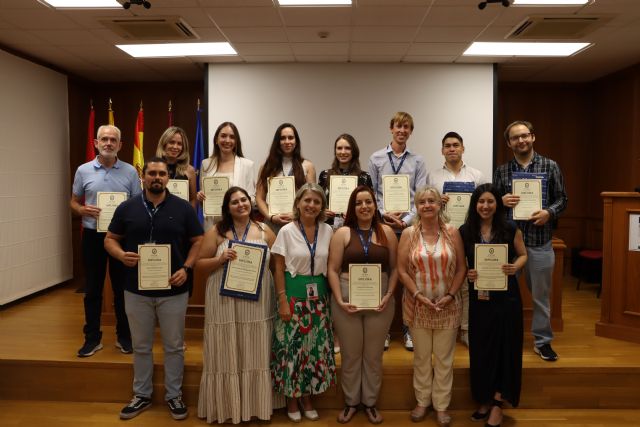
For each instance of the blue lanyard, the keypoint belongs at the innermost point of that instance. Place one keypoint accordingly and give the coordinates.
(393, 166)
(246, 231)
(312, 249)
(366, 245)
(152, 215)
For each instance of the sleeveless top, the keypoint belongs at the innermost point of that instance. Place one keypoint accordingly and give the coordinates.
(172, 172)
(354, 252)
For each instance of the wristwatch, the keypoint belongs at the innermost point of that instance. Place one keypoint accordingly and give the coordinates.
(187, 269)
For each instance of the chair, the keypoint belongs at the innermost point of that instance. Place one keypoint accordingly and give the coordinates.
(590, 267)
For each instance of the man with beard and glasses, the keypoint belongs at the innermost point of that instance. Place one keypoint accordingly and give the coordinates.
(156, 217)
(104, 173)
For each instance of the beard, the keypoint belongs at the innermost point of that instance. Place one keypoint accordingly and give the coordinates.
(156, 189)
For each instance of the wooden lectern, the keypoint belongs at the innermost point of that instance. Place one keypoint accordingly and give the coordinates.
(620, 305)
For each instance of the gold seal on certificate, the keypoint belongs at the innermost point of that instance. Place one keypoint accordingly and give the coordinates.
(214, 188)
(154, 267)
(243, 276)
(530, 192)
(395, 192)
(340, 189)
(108, 201)
(457, 208)
(365, 285)
(179, 187)
(489, 259)
(282, 193)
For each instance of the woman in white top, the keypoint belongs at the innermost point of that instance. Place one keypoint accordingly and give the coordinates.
(227, 160)
(284, 160)
(173, 146)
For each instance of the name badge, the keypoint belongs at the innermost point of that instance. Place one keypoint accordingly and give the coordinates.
(483, 295)
(312, 291)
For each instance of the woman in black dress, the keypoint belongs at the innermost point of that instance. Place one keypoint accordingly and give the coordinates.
(495, 317)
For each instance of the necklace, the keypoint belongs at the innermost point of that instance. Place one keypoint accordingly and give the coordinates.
(435, 244)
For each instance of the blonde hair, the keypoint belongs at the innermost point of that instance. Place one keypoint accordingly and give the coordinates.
(182, 162)
(314, 188)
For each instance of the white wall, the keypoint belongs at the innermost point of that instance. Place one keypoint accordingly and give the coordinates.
(325, 100)
(35, 224)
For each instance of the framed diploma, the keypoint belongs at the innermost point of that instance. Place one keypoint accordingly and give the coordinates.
(179, 187)
(395, 193)
(365, 285)
(340, 189)
(214, 188)
(530, 192)
(489, 260)
(457, 208)
(108, 202)
(154, 267)
(242, 277)
(282, 193)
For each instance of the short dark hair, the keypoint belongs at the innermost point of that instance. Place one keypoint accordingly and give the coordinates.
(154, 159)
(452, 134)
(516, 123)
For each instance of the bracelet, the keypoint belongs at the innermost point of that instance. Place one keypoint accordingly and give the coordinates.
(416, 293)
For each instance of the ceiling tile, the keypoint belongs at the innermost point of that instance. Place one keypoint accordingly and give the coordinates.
(38, 19)
(307, 16)
(323, 49)
(429, 58)
(68, 37)
(384, 34)
(255, 35)
(437, 49)
(269, 58)
(397, 15)
(322, 58)
(262, 48)
(310, 34)
(448, 34)
(460, 16)
(245, 16)
(375, 58)
(398, 49)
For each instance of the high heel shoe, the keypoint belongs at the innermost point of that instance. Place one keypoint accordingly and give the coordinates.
(443, 419)
(495, 404)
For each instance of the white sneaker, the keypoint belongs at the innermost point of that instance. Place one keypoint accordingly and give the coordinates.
(408, 341)
(387, 342)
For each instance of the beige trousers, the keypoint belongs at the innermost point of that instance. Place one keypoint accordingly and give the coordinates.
(361, 347)
(432, 381)
(464, 293)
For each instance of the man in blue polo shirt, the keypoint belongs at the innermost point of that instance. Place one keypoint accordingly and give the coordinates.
(156, 217)
(104, 173)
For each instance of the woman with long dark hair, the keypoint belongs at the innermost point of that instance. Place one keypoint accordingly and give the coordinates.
(495, 317)
(236, 382)
(284, 159)
(227, 160)
(363, 240)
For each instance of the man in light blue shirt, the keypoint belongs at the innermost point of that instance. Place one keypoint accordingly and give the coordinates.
(396, 159)
(104, 173)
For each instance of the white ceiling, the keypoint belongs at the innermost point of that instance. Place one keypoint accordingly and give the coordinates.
(380, 31)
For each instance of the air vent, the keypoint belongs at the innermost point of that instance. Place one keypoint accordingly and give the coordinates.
(556, 27)
(161, 28)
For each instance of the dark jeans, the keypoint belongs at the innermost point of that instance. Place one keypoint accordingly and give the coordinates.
(94, 258)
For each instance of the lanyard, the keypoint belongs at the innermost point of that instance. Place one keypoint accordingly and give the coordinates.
(312, 249)
(366, 245)
(246, 231)
(152, 215)
(393, 166)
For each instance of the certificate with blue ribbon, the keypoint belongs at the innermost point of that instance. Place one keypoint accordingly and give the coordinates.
(242, 277)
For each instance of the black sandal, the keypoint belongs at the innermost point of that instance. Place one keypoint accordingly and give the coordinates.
(496, 404)
(346, 414)
(372, 415)
(480, 416)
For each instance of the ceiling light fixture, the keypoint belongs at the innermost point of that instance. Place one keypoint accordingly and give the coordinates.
(524, 49)
(550, 2)
(314, 2)
(168, 50)
(483, 4)
(144, 3)
(82, 4)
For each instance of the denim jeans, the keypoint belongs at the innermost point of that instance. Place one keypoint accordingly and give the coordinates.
(538, 275)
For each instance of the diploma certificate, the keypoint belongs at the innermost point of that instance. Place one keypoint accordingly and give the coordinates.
(340, 189)
(365, 285)
(530, 192)
(154, 267)
(214, 188)
(179, 187)
(108, 202)
(242, 277)
(395, 193)
(282, 193)
(457, 208)
(489, 260)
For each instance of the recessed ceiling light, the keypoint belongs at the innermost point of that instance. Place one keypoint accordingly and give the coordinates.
(166, 50)
(314, 2)
(523, 49)
(83, 4)
(549, 2)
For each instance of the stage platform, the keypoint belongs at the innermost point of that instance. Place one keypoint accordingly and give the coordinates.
(39, 338)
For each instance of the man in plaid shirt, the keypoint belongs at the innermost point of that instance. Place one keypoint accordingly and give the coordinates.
(537, 230)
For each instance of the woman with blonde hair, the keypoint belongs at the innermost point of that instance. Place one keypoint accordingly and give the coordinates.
(432, 268)
(173, 146)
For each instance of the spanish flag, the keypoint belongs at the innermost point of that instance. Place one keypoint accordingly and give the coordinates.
(138, 152)
(91, 150)
(111, 120)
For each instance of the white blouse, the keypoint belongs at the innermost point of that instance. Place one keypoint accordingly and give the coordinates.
(292, 246)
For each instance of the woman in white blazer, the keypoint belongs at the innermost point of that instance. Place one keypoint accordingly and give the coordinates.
(227, 160)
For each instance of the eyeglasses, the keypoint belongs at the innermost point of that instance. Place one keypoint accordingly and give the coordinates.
(523, 136)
